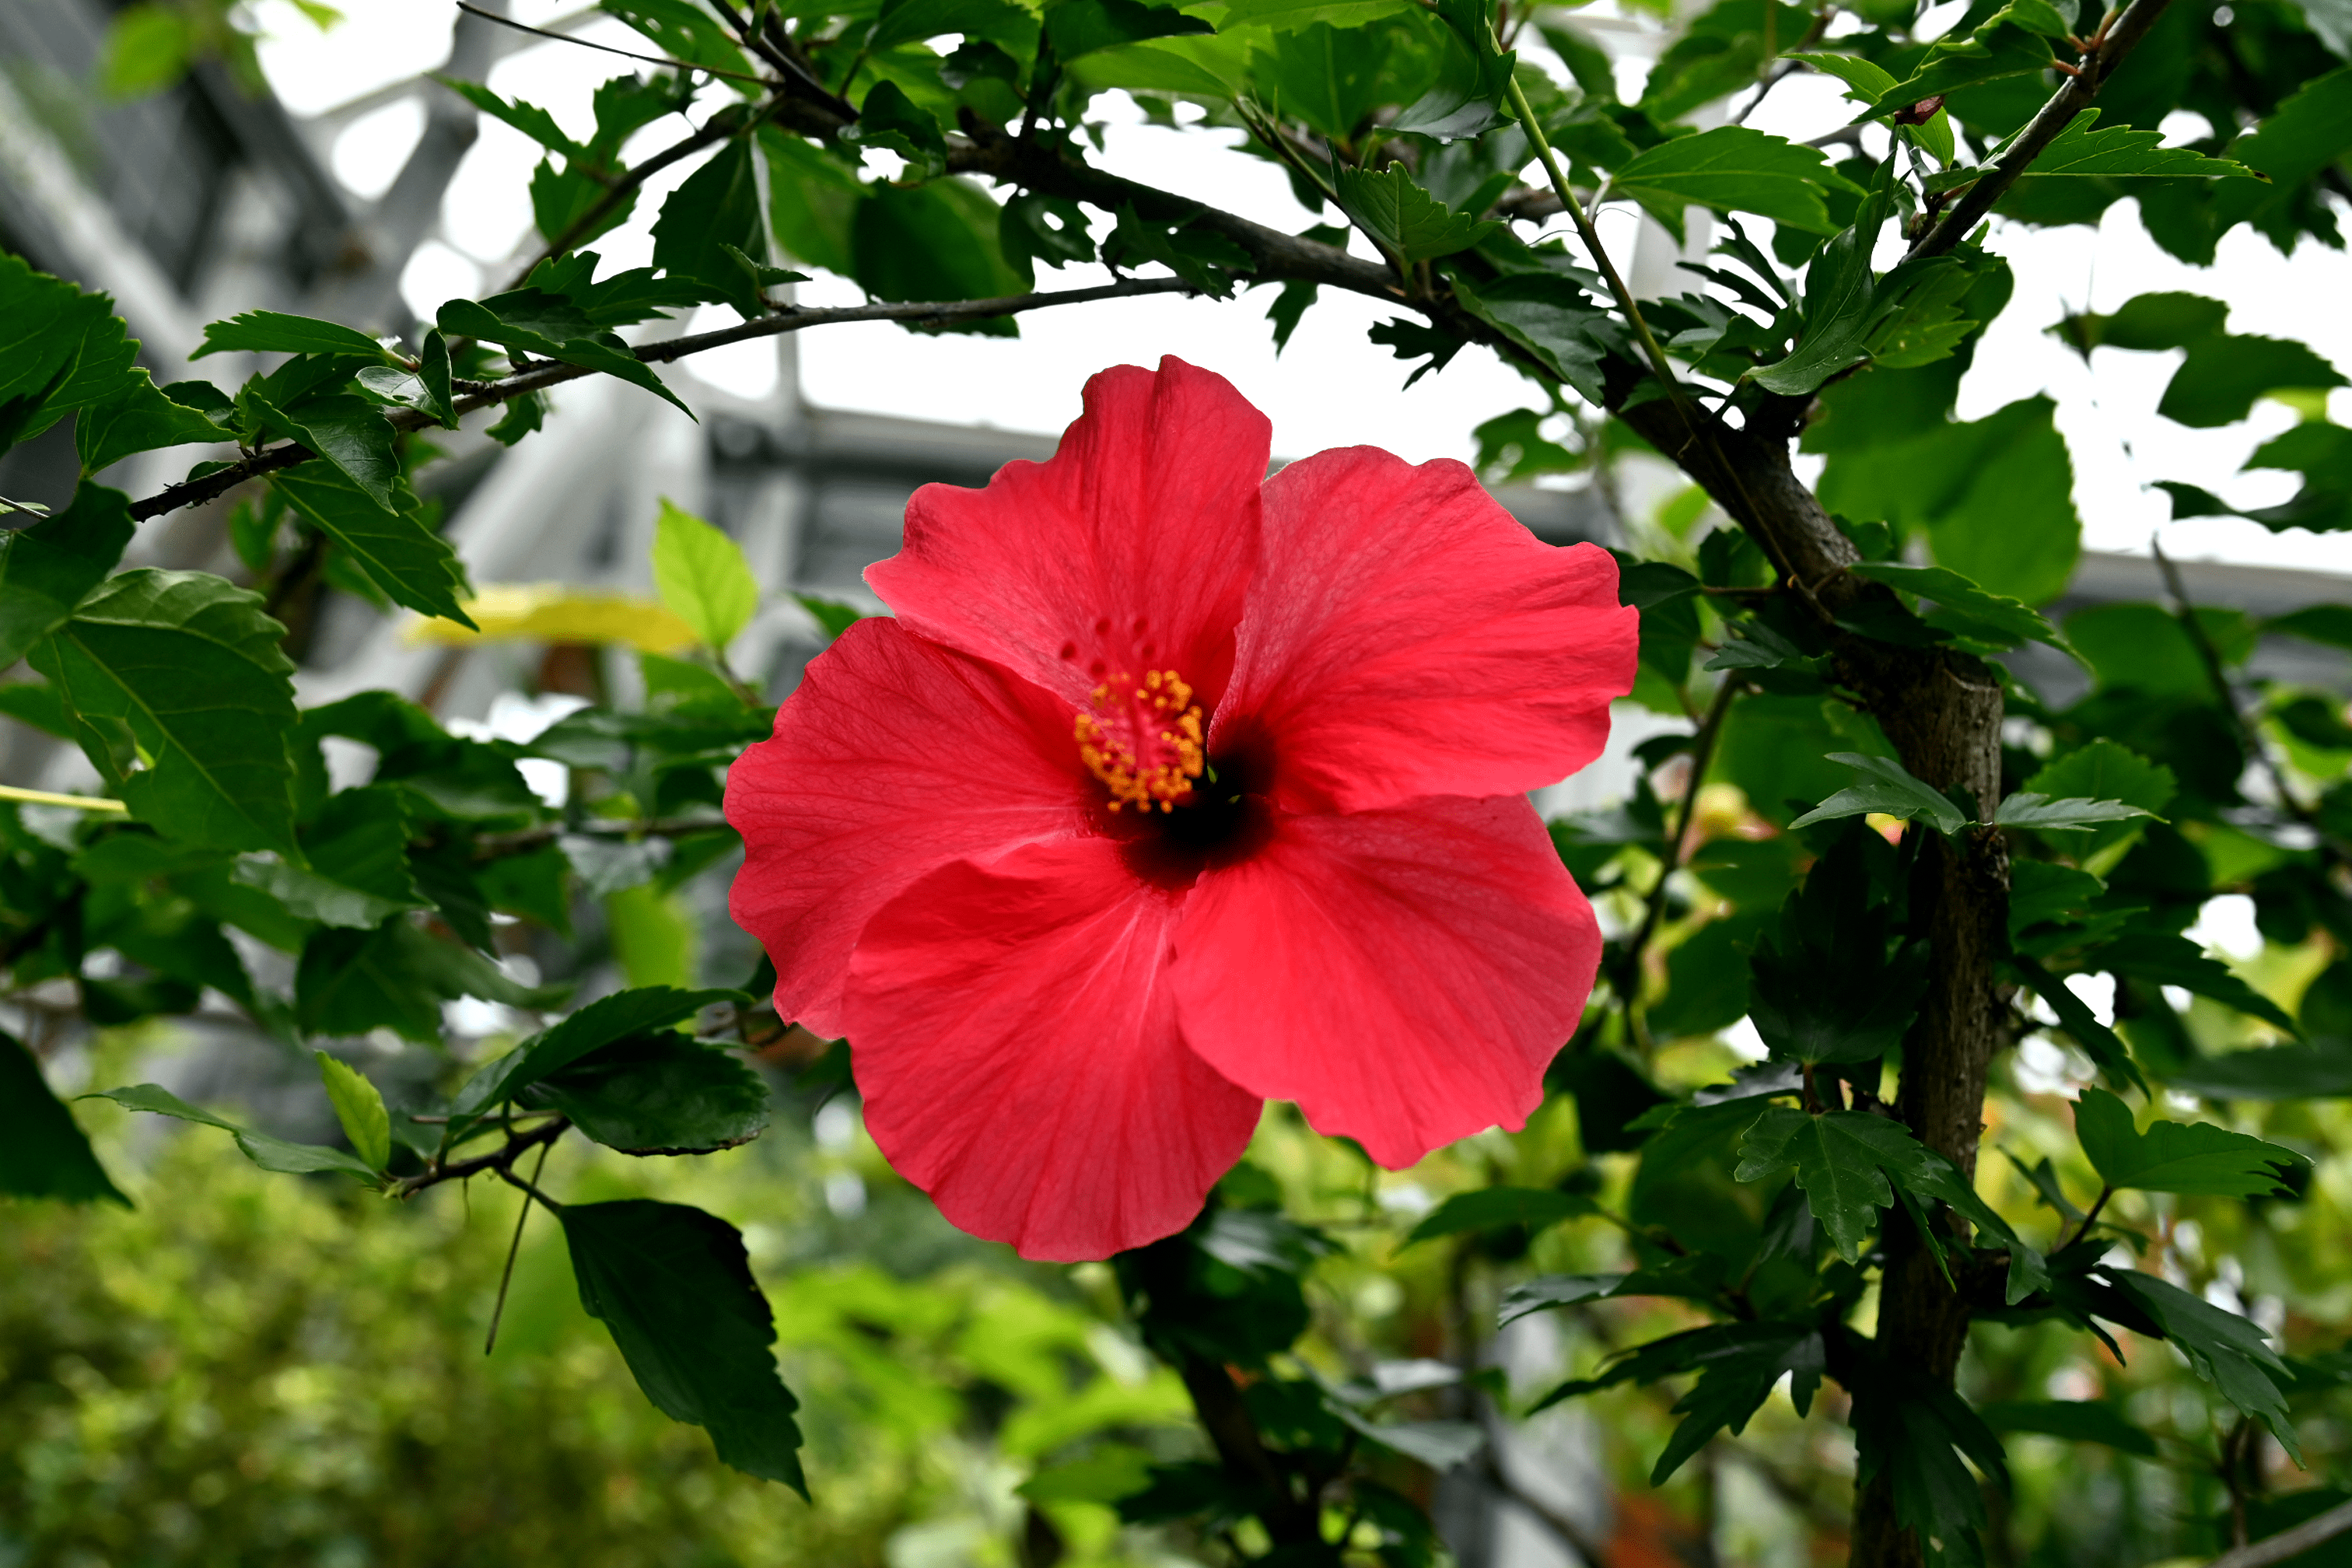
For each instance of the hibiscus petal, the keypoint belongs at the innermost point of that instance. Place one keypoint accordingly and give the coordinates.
(1012, 1033)
(1405, 975)
(1130, 550)
(894, 756)
(1406, 636)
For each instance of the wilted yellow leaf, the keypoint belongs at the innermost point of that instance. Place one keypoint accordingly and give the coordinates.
(558, 612)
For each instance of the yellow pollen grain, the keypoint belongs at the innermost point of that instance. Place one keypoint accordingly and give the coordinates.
(1168, 778)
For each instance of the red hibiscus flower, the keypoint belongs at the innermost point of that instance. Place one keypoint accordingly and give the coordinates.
(1171, 789)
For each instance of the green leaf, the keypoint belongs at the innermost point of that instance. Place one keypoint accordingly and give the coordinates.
(1404, 220)
(2121, 151)
(2102, 1045)
(1911, 1430)
(42, 1154)
(194, 667)
(889, 119)
(2069, 814)
(1550, 317)
(2189, 1157)
(1827, 984)
(2222, 1348)
(2161, 958)
(717, 206)
(2221, 377)
(2273, 1072)
(1330, 78)
(675, 1286)
(275, 1155)
(542, 323)
(360, 1108)
(1889, 790)
(912, 21)
(658, 1094)
(351, 432)
(600, 1024)
(1963, 606)
(1079, 27)
(703, 577)
(1994, 495)
(395, 545)
(2080, 1421)
(1994, 51)
(1531, 1209)
(432, 374)
(1838, 1159)
(831, 615)
(139, 418)
(1696, 1277)
(1842, 302)
(272, 331)
(396, 977)
(1735, 1377)
(2329, 625)
(2106, 770)
(685, 31)
(45, 569)
(935, 241)
(528, 118)
(1734, 169)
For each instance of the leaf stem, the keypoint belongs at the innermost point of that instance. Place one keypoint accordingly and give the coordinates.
(2090, 1216)
(506, 1276)
(97, 803)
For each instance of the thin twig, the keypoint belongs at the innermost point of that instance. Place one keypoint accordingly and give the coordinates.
(514, 1247)
(522, 841)
(2073, 95)
(792, 320)
(2090, 1217)
(607, 48)
(498, 1160)
(1629, 971)
(2313, 1531)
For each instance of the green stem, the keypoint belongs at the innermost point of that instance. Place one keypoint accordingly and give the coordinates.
(1592, 237)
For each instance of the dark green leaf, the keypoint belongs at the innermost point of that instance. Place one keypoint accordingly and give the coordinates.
(528, 118)
(1964, 606)
(674, 1288)
(140, 417)
(1404, 220)
(2122, 151)
(685, 31)
(1551, 318)
(2077, 1420)
(193, 666)
(600, 1024)
(526, 319)
(658, 1093)
(1842, 302)
(1698, 1276)
(935, 241)
(2068, 814)
(1912, 1430)
(2165, 960)
(1996, 50)
(272, 331)
(2191, 1157)
(717, 206)
(395, 545)
(1079, 27)
(1887, 789)
(2103, 1046)
(1838, 1159)
(1531, 1209)
(890, 120)
(45, 569)
(2222, 1348)
(42, 1154)
(2218, 383)
(1734, 169)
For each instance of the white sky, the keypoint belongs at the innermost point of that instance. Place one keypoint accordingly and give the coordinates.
(1333, 387)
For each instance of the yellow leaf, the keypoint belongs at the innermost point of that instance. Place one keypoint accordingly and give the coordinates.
(560, 613)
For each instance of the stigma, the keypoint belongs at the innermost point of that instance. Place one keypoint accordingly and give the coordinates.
(1143, 739)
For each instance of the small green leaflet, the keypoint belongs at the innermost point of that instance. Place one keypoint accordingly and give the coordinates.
(1493, 1208)
(660, 1093)
(890, 120)
(1734, 169)
(1842, 300)
(351, 432)
(547, 324)
(1887, 790)
(1964, 607)
(601, 1023)
(703, 576)
(2027, 809)
(2083, 151)
(271, 331)
(675, 1286)
(1839, 1158)
(2191, 1157)
(1698, 1276)
(528, 118)
(1404, 220)
(360, 1108)
(270, 1153)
